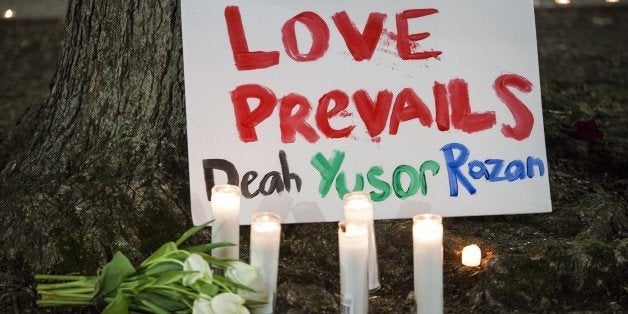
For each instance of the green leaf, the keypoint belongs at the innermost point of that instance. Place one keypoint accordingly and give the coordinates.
(145, 283)
(231, 284)
(159, 303)
(206, 288)
(120, 304)
(153, 307)
(163, 250)
(192, 231)
(208, 247)
(162, 267)
(113, 274)
(171, 276)
(214, 261)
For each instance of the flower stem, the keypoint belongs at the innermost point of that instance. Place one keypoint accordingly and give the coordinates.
(182, 291)
(65, 295)
(71, 284)
(63, 277)
(62, 302)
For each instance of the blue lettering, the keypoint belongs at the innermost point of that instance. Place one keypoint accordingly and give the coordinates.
(517, 173)
(453, 167)
(531, 162)
(481, 172)
(494, 174)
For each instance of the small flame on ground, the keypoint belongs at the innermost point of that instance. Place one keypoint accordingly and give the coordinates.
(8, 14)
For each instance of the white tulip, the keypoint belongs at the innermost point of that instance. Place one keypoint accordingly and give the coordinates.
(196, 263)
(202, 306)
(228, 303)
(249, 276)
(224, 303)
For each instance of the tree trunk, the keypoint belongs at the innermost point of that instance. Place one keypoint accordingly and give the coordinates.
(106, 166)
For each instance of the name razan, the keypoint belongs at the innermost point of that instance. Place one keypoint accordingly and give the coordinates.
(493, 170)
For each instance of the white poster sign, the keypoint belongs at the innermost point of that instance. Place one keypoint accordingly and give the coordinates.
(427, 105)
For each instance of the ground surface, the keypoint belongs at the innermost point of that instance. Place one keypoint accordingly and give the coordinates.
(574, 259)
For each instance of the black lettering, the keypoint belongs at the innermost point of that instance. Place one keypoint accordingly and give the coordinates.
(287, 176)
(246, 181)
(220, 164)
(275, 183)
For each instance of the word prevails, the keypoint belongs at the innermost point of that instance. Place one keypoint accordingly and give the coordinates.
(452, 107)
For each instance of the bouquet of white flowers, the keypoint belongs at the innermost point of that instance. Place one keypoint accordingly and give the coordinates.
(171, 280)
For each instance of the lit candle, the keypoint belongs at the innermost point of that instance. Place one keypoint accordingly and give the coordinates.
(226, 214)
(265, 237)
(353, 251)
(427, 234)
(471, 255)
(9, 14)
(358, 205)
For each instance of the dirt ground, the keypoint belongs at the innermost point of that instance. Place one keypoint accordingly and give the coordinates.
(28, 59)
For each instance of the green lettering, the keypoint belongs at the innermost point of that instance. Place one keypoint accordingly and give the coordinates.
(372, 177)
(433, 167)
(414, 181)
(341, 184)
(327, 169)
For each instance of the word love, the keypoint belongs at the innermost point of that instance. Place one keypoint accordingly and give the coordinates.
(361, 45)
(452, 107)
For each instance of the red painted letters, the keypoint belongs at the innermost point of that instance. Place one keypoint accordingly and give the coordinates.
(323, 113)
(290, 123)
(320, 36)
(409, 106)
(374, 115)
(246, 120)
(405, 40)
(361, 45)
(452, 107)
(523, 116)
(245, 59)
(461, 116)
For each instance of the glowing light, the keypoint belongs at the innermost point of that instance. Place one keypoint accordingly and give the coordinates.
(563, 2)
(9, 14)
(471, 255)
(612, 1)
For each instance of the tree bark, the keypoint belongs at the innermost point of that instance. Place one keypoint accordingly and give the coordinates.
(106, 166)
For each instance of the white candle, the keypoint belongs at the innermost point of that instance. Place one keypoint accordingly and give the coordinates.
(471, 255)
(358, 205)
(226, 214)
(353, 251)
(427, 234)
(265, 237)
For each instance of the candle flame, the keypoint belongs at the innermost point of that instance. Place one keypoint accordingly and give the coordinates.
(471, 255)
(266, 222)
(9, 14)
